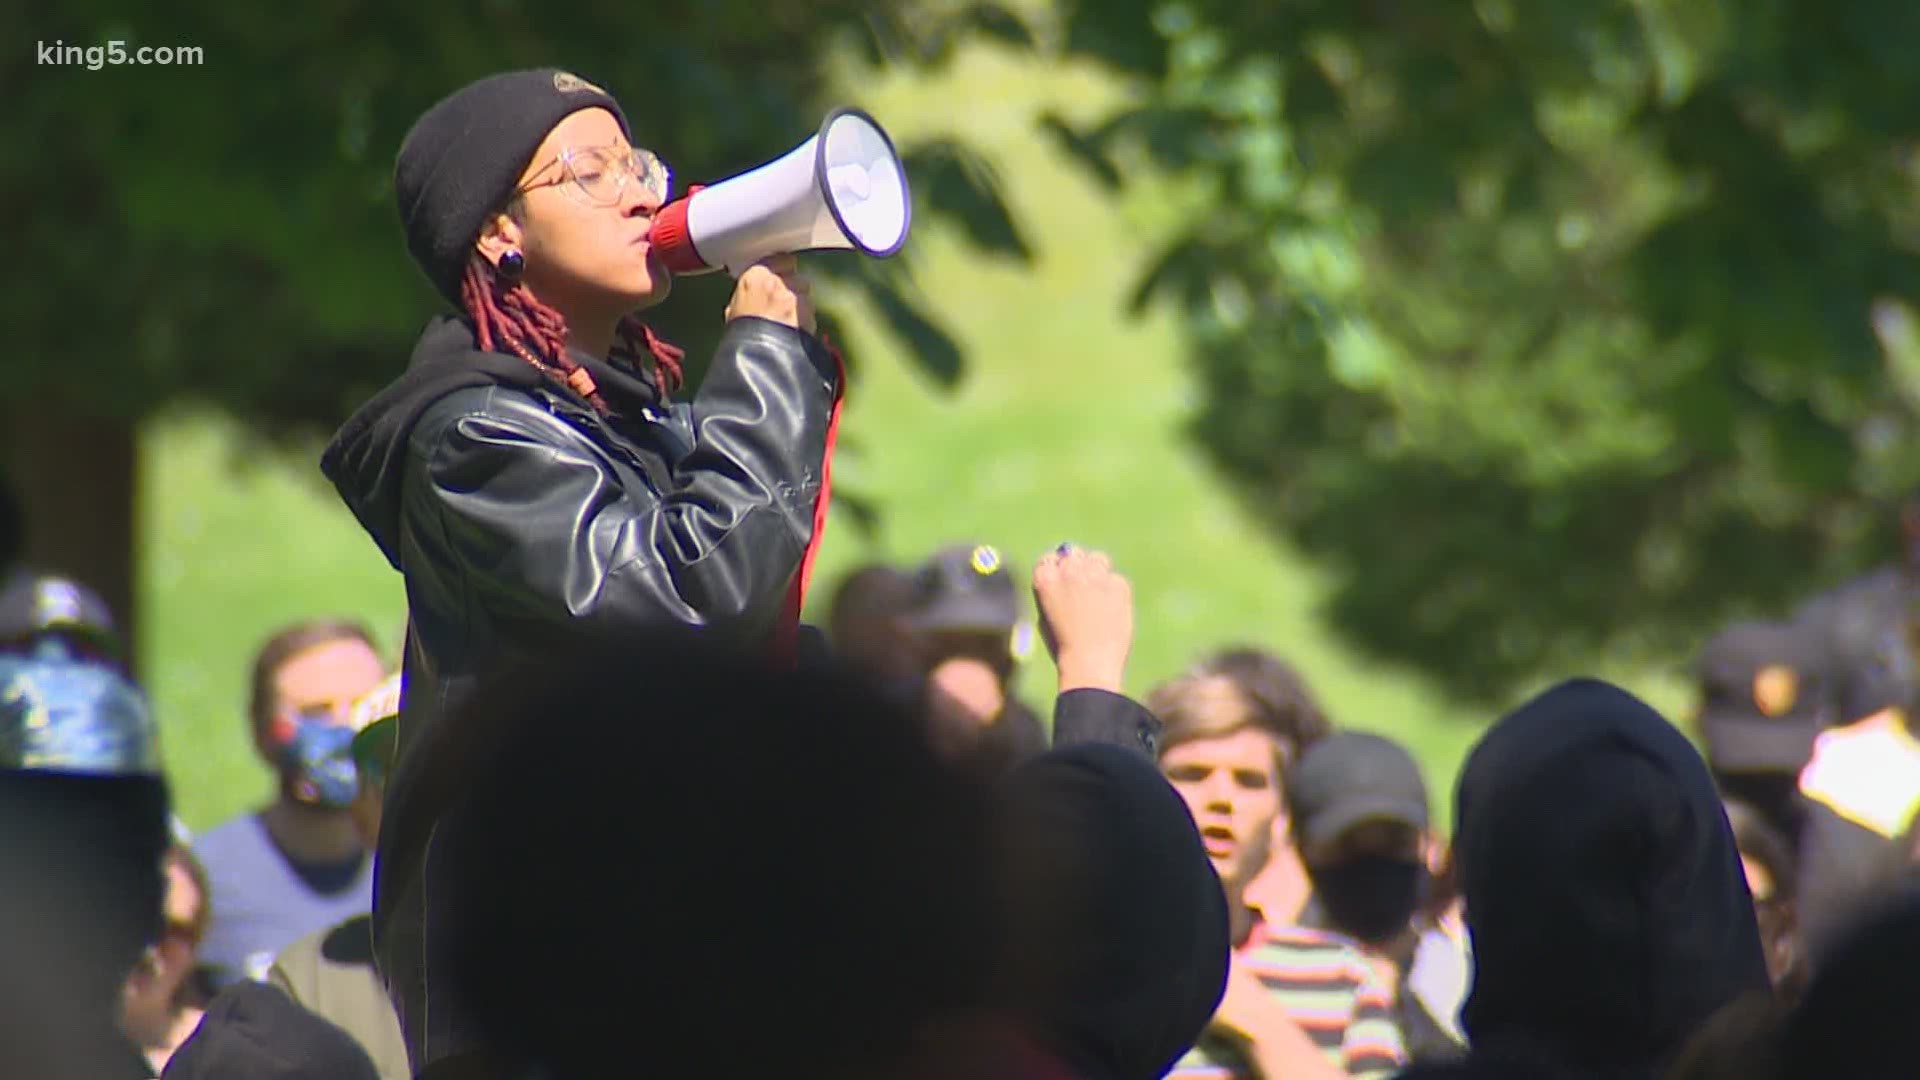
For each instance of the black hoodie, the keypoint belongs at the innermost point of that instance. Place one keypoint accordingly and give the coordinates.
(1119, 942)
(1608, 909)
(365, 458)
(528, 526)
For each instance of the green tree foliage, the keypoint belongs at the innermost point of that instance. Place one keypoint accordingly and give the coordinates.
(224, 233)
(1550, 329)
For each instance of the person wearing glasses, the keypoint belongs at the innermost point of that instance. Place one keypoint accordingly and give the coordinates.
(297, 865)
(330, 972)
(537, 475)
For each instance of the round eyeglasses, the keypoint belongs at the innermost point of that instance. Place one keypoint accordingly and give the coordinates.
(598, 175)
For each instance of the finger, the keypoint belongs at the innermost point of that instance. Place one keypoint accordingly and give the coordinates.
(1082, 563)
(781, 264)
(1048, 565)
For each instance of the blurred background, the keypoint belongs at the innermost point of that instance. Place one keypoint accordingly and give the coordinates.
(1446, 350)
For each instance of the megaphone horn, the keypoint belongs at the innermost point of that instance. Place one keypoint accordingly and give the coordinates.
(843, 188)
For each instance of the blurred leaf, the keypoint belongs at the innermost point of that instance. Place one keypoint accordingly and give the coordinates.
(929, 348)
(996, 22)
(856, 510)
(957, 182)
(1089, 152)
(1119, 33)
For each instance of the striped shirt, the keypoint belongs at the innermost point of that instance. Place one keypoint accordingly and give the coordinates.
(1330, 991)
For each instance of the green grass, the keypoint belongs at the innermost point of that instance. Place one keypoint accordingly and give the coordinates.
(1066, 426)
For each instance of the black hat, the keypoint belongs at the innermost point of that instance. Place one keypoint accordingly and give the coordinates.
(1763, 698)
(1350, 777)
(257, 1031)
(965, 588)
(464, 157)
(36, 605)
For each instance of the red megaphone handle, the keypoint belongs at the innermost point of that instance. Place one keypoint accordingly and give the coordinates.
(671, 239)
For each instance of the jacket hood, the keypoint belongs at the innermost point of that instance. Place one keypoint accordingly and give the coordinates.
(367, 455)
(1119, 939)
(1605, 897)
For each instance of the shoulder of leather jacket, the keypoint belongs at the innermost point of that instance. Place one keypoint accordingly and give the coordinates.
(519, 408)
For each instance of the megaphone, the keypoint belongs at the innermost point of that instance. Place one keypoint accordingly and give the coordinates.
(843, 188)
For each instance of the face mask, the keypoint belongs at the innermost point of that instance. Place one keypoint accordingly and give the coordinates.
(1370, 898)
(319, 753)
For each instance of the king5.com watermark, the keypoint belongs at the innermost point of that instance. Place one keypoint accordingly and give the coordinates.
(116, 54)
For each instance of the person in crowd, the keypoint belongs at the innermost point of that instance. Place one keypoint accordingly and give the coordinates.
(166, 996)
(530, 475)
(40, 612)
(1114, 952)
(1359, 809)
(83, 831)
(255, 1032)
(1860, 629)
(1117, 941)
(331, 971)
(1300, 1001)
(964, 615)
(1764, 698)
(298, 865)
(761, 813)
(867, 625)
(1274, 687)
(1604, 896)
(1226, 751)
(1853, 1017)
(1861, 788)
(1766, 857)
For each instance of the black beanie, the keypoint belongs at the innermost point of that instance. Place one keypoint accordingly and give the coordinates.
(465, 155)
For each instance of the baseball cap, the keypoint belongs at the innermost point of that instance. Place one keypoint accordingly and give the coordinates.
(1763, 698)
(59, 713)
(965, 588)
(1860, 628)
(34, 605)
(1351, 777)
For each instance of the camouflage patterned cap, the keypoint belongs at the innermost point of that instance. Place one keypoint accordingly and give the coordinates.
(59, 713)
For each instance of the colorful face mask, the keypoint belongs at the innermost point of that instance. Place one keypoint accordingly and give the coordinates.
(319, 753)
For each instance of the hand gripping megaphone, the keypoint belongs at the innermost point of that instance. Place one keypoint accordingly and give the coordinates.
(843, 188)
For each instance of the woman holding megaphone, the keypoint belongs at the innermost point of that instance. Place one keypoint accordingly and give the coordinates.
(529, 474)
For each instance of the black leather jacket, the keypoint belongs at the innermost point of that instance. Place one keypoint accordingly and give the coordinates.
(522, 519)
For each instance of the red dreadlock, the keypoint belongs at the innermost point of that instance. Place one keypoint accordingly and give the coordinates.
(512, 317)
